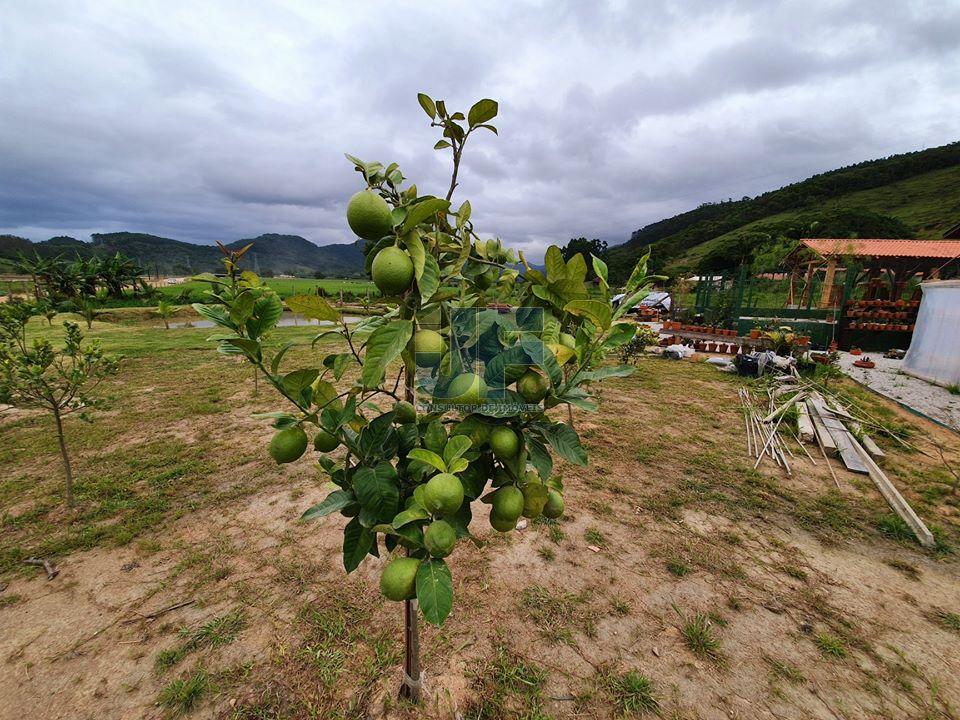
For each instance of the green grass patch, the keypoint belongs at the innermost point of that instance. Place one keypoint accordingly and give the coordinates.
(218, 631)
(182, 695)
(632, 694)
(831, 646)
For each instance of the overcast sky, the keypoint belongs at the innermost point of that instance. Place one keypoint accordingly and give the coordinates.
(222, 120)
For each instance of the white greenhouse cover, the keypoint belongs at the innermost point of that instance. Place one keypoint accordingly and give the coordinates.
(934, 353)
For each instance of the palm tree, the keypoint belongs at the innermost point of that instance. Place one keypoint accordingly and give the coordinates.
(87, 308)
(165, 310)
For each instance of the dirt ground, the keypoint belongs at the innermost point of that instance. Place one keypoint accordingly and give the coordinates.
(679, 582)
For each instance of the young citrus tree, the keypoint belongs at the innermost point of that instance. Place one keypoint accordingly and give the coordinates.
(448, 401)
(37, 375)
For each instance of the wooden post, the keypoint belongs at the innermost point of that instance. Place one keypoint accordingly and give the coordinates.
(827, 290)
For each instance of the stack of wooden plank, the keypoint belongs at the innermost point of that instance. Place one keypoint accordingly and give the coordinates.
(836, 433)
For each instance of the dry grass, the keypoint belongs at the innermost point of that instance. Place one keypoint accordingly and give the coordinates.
(815, 584)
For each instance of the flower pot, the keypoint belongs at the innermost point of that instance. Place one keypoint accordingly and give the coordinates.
(856, 351)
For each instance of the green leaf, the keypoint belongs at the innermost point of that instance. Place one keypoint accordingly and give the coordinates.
(556, 267)
(539, 456)
(323, 393)
(266, 314)
(435, 436)
(411, 514)
(337, 500)
(544, 293)
(376, 490)
(312, 307)
(605, 372)
(427, 104)
(578, 397)
(245, 345)
(430, 279)
(338, 363)
(463, 214)
(357, 541)
(600, 269)
(628, 303)
(566, 442)
(482, 111)
(429, 457)
(435, 590)
(455, 448)
(620, 334)
(577, 269)
(295, 382)
(541, 356)
(379, 439)
(458, 465)
(384, 346)
(600, 313)
(215, 314)
(441, 145)
(638, 277)
(426, 208)
(417, 252)
(275, 365)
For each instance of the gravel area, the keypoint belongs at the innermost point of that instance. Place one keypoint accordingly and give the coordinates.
(932, 400)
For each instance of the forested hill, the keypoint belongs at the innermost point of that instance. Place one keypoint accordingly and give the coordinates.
(271, 253)
(911, 195)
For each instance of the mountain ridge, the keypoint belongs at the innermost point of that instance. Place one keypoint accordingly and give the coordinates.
(272, 253)
(847, 201)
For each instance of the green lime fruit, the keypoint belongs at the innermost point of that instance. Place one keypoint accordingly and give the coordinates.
(324, 441)
(568, 340)
(534, 499)
(288, 444)
(405, 412)
(508, 502)
(504, 443)
(532, 386)
(554, 505)
(368, 215)
(392, 271)
(439, 538)
(399, 579)
(428, 347)
(502, 523)
(443, 494)
(466, 389)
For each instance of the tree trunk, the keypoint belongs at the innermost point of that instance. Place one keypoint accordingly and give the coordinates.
(410, 689)
(63, 454)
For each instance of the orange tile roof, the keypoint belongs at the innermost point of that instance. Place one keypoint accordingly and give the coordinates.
(884, 248)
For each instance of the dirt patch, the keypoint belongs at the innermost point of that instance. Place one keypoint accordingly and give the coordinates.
(733, 593)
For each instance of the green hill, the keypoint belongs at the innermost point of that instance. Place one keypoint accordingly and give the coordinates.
(911, 195)
(271, 253)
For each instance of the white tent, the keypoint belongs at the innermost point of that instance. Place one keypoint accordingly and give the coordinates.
(934, 353)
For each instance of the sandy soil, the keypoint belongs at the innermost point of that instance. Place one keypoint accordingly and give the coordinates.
(668, 487)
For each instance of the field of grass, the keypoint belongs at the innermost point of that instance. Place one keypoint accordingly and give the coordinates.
(287, 287)
(680, 581)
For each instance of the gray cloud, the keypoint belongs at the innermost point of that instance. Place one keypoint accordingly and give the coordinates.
(231, 119)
